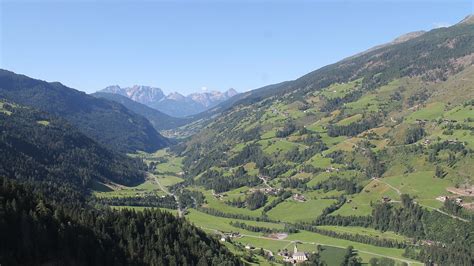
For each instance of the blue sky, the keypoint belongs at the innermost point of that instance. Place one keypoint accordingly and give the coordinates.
(186, 46)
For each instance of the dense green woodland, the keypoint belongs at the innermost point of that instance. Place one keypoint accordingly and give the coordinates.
(37, 146)
(39, 225)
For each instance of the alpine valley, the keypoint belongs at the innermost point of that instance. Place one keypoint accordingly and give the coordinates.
(367, 161)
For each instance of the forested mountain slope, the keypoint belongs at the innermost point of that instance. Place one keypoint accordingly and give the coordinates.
(394, 120)
(47, 168)
(104, 121)
(46, 225)
(37, 146)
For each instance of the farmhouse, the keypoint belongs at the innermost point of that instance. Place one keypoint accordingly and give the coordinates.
(299, 197)
(217, 195)
(442, 198)
(232, 235)
(386, 199)
(332, 169)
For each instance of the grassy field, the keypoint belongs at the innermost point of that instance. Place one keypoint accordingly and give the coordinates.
(431, 111)
(338, 90)
(207, 221)
(219, 204)
(359, 204)
(279, 145)
(423, 184)
(149, 186)
(350, 119)
(368, 102)
(5, 111)
(168, 180)
(364, 231)
(460, 113)
(293, 211)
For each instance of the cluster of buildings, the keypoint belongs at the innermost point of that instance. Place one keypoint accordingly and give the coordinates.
(226, 236)
(270, 191)
(445, 198)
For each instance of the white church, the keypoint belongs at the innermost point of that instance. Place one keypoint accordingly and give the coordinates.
(296, 256)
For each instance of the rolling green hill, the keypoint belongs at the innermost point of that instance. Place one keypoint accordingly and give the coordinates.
(107, 122)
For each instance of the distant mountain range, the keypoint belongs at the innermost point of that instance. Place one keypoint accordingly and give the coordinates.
(173, 104)
(159, 120)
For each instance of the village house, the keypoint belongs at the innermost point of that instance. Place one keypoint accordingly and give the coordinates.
(386, 199)
(217, 195)
(249, 247)
(232, 235)
(442, 198)
(332, 169)
(299, 197)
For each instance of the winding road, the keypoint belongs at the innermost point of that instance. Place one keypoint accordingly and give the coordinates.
(180, 211)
